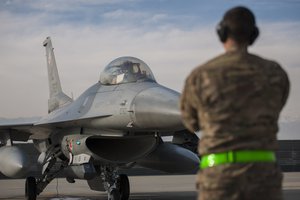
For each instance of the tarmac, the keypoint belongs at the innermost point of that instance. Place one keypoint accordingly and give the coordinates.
(179, 187)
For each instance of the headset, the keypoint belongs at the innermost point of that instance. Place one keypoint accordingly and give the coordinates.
(223, 31)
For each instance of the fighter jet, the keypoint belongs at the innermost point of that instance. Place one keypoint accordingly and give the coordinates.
(115, 124)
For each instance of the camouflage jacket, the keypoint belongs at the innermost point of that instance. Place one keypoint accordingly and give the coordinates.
(235, 99)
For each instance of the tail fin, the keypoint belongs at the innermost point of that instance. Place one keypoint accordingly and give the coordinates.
(57, 98)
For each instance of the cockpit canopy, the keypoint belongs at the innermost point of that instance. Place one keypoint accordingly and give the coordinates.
(126, 70)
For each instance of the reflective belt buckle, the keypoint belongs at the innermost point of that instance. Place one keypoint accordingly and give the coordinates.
(231, 156)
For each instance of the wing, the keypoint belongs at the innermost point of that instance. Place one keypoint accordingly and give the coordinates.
(22, 129)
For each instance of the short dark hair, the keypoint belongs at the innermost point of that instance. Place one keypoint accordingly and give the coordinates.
(239, 24)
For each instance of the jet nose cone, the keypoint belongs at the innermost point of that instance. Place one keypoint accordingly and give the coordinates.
(157, 108)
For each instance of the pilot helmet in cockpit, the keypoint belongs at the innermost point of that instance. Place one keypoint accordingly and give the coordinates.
(126, 70)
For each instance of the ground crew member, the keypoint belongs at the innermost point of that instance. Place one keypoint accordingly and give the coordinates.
(235, 99)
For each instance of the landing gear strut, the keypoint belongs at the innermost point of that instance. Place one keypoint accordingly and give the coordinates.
(34, 187)
(30, 188)
(117, 186)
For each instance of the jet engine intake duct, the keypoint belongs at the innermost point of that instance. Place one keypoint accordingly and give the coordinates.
(109, 149)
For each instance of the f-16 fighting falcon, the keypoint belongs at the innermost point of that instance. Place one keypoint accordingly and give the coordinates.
(115, 124)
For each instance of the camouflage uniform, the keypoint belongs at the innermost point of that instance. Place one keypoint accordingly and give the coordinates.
(235, 99)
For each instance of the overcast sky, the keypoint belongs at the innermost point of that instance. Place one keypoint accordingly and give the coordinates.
(171, 36)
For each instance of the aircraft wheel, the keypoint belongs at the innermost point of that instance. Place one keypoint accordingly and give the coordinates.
(124, 186)
(114, 195)
(30, 188)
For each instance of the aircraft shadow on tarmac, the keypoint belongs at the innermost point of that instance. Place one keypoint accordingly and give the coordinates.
(133, 196)
(137, 196)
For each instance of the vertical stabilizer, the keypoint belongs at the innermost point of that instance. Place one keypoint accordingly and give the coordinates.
(57, 98)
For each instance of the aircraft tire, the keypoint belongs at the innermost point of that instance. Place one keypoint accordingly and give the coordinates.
(30, 188)
(114, 195)
(124, 187)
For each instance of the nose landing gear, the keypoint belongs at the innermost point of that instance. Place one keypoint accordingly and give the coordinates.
(122, 191)
(124, 187)
(117, 186)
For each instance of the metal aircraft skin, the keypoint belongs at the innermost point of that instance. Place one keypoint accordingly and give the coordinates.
(117, 123)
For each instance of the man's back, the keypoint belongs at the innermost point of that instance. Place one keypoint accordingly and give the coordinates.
(235, 100)
(240, 96)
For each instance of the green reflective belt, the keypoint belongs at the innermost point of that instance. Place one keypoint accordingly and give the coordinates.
(243, 156)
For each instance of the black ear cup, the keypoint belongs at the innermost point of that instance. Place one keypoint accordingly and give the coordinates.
(222, 32)
(254, 35)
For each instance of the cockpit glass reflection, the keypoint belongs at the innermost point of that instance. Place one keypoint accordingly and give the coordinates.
(126, 70)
